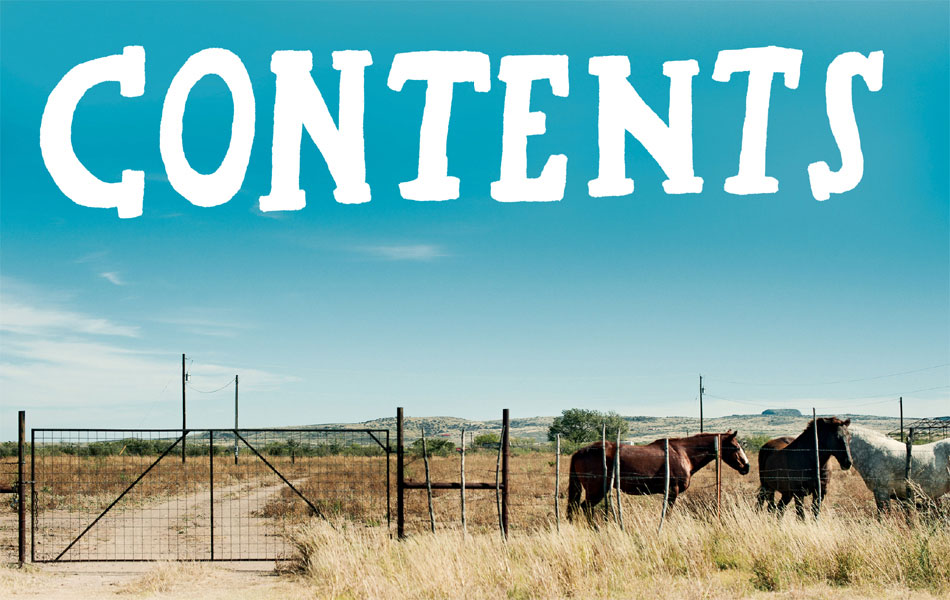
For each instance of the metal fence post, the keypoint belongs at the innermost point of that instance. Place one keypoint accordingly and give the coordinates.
(211, 485)
(462, 479)
(389, 520)
(32, 495)
(21, 486)
(910, 446)
(400, 479)
(505, 460)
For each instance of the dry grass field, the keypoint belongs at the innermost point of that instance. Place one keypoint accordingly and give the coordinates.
(849, 552)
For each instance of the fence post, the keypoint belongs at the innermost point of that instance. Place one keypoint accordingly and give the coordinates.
(211, 484)
(400, 479)
(425, 460)
(505, 469)
(910, 446)
(814, 420)
(389, 501)
(617, 480)
(557, 482)
(603, 448)
(32, 495)
(666, 481)
(235, 418)
(21, 487)
(900, 404)
(501, 522)
(719, 476)
(462, 490)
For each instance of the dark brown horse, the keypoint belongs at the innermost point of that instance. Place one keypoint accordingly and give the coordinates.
(787, 465)
(642, 467)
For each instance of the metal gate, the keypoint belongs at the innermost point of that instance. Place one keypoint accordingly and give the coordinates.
(144, 494)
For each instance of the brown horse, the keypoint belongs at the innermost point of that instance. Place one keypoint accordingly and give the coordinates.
(787, 464)
(642, 467)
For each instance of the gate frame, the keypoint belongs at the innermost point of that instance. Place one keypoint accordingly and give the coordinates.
(372, 433)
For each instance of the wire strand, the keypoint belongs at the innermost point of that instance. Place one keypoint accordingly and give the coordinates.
(798, 383)
(190, 386)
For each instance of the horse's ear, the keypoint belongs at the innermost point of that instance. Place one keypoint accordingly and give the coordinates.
(730, 435)
(847, 422)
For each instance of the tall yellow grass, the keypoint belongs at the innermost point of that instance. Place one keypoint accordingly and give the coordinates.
(696, 555)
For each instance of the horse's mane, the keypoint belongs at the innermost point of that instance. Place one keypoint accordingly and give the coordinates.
(868, 431)
(833, 421)
(699, 435)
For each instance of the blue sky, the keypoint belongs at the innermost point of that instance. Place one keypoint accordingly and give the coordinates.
(342, 312)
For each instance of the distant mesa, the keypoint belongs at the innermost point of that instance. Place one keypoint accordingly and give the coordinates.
(782, 412)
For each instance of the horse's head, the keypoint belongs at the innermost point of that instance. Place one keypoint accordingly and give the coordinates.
(733, 454)
(834, 436)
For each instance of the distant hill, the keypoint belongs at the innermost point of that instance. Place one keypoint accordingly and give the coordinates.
(642, 428)
(782, 412)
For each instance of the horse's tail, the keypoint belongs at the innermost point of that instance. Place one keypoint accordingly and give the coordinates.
(573, 490)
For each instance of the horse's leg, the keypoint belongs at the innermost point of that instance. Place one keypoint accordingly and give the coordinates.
(765, 497)
(882, 501)
(816, 501)
(588, 511)
(594, 498)
(783, 502)
(800, 505)
(671, 500)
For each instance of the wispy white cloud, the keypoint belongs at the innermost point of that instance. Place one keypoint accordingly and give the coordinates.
(78, 362)
(112, 277)
(91, 257)
(30, 319)
(417, 252)
(203, 326)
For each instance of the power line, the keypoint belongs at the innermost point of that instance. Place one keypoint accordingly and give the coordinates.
(191, 386)
(797, 383)
(887, 398)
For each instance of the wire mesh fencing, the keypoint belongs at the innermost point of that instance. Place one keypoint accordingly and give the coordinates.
(117, 495)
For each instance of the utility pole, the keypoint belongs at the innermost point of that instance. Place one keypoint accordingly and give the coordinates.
(184, 425)
(235, 419)
(701, 404)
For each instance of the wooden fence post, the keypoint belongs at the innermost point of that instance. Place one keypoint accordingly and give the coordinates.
(666, 481)
(464, 529)
(617, 481)
(719, 476)
(425, 459)
(557, 482)
(603, 447)
(814, 420)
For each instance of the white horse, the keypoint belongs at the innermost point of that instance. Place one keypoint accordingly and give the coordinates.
(882, 461)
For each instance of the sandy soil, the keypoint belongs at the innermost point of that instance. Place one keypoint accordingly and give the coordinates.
(155, 530)
(152, 580)
(172, 528)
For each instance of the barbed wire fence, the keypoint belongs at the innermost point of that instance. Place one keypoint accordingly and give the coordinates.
(539, 475)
